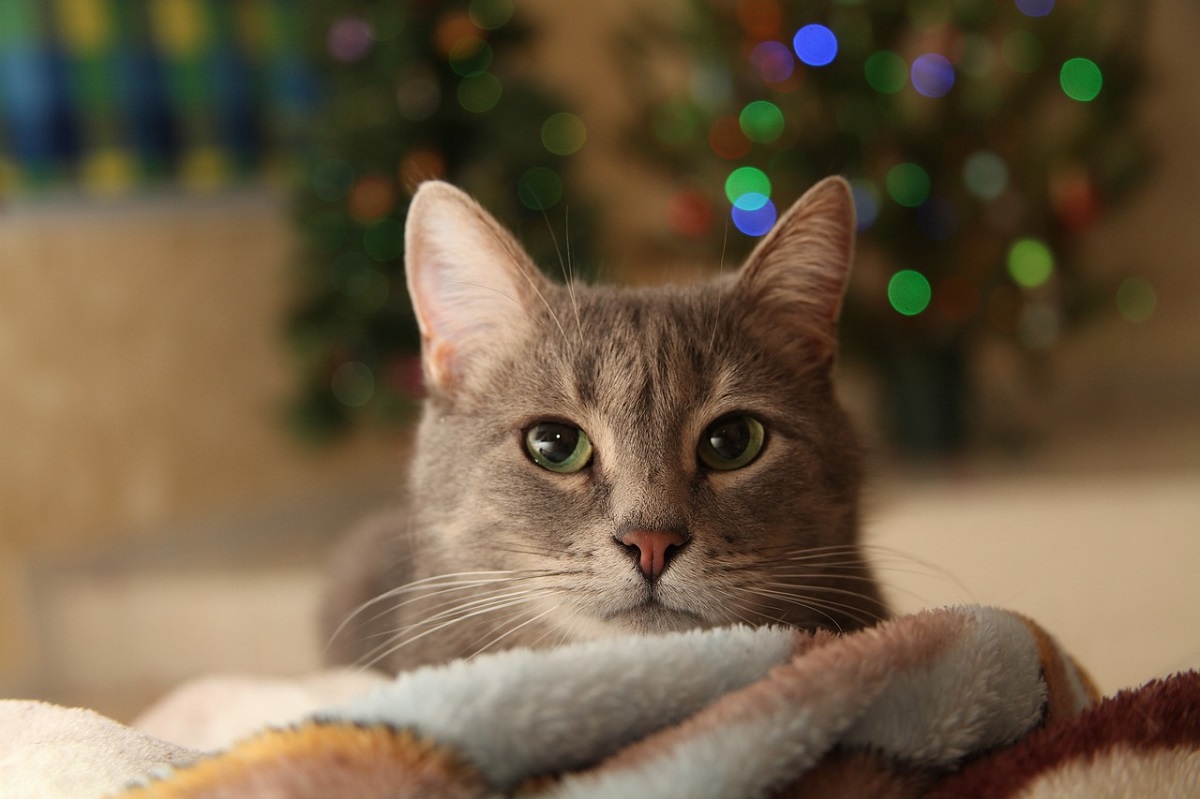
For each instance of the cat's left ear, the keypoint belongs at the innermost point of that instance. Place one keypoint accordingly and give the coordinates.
(796, 277)
(472, 285)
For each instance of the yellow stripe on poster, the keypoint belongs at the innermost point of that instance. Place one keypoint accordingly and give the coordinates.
(179, 26)
(85, 25)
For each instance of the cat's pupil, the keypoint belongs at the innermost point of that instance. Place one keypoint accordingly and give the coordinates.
(554, 442)
(730, 438)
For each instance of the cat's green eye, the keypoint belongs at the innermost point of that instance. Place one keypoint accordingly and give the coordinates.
(731, 442)
(558, 447)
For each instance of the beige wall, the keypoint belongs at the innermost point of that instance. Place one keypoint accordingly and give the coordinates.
(143, 374)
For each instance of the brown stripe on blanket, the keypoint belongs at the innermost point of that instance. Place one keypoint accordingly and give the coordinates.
(1161, 716)
(1069, 688)
(319, 761)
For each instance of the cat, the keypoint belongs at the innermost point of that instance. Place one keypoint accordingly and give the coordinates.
(594, 460)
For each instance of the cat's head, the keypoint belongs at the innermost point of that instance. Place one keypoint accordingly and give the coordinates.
(649, 458)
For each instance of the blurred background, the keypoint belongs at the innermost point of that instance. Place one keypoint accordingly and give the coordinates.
(207, 360)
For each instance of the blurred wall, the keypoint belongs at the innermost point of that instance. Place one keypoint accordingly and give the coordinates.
(144, 373)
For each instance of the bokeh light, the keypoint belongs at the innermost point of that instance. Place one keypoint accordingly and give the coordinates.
(932, 75)
(470, 56)
(383, 239)
(353, 384)
(761, 19)
(815, 45)
(1081, 79)
(773, 60)
(909, 292)
(371, 197)
(351, 273)
(1040, 325)
(887, 72)
(420, 165)
(205, 168)
(349, 39)
(985, 174)
(563, 133)
(977, 56)
(866, 203)
(754, 221)
(1136, 299)
(418, 97)
(726, 139)
(690, 213)
(490, 14)
(908, 184)
(109, 171)
(1022, 52)
(1030, 262)
(539, 188)
(480, 93)
(674, 123)
(1035, 8)
(761, 121)
(747, 180)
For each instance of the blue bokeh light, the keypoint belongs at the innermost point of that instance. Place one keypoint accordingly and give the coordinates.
(751, 201)
(1035, 8)
(773, 60)
(932, 75)
(816, 45)
(754, 222)
(866, 207)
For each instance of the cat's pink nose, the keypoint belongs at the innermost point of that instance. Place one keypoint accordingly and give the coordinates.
(653, 548)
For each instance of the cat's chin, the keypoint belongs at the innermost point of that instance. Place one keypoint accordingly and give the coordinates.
(653, 617)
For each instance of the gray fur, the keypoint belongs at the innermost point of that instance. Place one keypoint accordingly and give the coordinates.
(643, 371)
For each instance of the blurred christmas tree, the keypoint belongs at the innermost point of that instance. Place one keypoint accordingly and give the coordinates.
(411, 91)
(981, 137)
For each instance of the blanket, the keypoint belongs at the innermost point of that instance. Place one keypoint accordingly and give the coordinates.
(968, 701)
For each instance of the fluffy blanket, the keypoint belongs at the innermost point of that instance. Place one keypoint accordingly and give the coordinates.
(957, 702)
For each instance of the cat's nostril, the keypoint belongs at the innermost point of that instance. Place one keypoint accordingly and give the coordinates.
(653, 549)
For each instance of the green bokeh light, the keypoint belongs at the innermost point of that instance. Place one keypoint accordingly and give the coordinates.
(909, 292)
(747, 180)
(490, 14)
(353, 384)
(908, 184)
(761, 121)
(539, 188)
(471, 56)
(674, 123)
(563, 133)
(887, 72)
(480, 93)
(383, 239)
(1022, 52)
(1081, 79)
(1136, 299)
(1030, 262)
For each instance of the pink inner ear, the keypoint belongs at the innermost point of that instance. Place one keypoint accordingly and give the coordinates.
(439, 363)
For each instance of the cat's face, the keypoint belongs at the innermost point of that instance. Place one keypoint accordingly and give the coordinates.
(638, 459)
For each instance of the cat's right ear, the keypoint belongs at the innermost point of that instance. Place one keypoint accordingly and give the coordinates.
(471, 283)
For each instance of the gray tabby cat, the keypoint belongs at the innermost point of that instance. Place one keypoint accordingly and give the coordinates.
(595, 460)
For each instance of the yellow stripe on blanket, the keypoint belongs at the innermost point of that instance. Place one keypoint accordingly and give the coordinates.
(318, 761)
